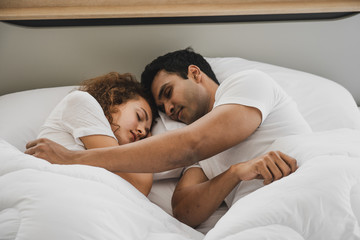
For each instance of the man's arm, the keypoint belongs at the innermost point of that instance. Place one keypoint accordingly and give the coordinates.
(141, 181)
(195, 197)
(220, 129)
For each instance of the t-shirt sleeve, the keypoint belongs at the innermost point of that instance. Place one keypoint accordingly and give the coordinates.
(196, 165)
(251, 88)
(83, 116)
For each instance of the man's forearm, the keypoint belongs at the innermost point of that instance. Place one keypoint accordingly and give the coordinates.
(209, 135)
(202, 139)
(154, 154)
(194, 204)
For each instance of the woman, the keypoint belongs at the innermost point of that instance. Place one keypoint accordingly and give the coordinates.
(105, 111)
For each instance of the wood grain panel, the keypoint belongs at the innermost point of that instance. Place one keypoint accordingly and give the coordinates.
(92, 9)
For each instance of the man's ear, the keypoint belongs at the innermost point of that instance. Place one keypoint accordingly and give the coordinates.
(195, 73)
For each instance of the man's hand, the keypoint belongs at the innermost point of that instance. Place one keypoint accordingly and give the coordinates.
(50, 151)
(270, 167)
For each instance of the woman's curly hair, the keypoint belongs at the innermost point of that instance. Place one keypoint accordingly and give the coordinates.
(113, 89)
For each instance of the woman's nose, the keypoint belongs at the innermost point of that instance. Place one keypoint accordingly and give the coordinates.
(140, 132)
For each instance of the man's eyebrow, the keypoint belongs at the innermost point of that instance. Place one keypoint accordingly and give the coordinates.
(162, 88)
(146, 115)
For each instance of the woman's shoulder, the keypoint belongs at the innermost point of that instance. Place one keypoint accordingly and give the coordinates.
(79, 102)
(80, 97)
(81, 107)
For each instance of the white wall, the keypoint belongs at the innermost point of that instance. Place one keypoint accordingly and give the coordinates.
(53, 56)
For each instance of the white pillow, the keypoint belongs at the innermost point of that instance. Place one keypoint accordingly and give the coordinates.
(324, 104)
(23, 113)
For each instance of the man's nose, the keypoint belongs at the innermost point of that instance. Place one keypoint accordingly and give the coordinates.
(169, 108)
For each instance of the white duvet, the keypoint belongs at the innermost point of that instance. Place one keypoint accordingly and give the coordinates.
(321, 200)
(41, 201)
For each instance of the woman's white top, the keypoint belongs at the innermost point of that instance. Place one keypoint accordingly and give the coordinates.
(77, 115)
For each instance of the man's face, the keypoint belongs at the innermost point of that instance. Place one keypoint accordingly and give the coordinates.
(182, 100)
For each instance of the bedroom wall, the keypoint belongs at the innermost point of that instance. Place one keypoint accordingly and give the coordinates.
(57, 56)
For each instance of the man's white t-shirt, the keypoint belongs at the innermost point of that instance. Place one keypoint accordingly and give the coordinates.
(280, 117)
(77, 115)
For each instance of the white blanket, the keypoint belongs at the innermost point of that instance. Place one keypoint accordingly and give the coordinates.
(321, 200)
(41, 201)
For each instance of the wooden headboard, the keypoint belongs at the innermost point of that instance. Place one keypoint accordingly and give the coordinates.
(90, 9)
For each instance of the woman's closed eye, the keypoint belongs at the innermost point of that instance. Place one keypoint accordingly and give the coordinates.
(141, 116)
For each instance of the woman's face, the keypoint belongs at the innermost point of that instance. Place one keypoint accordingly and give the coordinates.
(131, 120)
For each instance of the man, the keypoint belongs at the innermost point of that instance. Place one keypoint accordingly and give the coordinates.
(253, 95)
(248, 111)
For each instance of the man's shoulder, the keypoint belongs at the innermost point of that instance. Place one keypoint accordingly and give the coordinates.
(247, 80)
(246, 75)
(251, 88)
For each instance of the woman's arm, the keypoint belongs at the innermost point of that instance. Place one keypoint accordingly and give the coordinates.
(142, 181)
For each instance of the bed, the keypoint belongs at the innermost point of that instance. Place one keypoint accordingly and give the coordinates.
(321, 200)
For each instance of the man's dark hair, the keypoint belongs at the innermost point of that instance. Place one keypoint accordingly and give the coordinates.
(176, 62)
